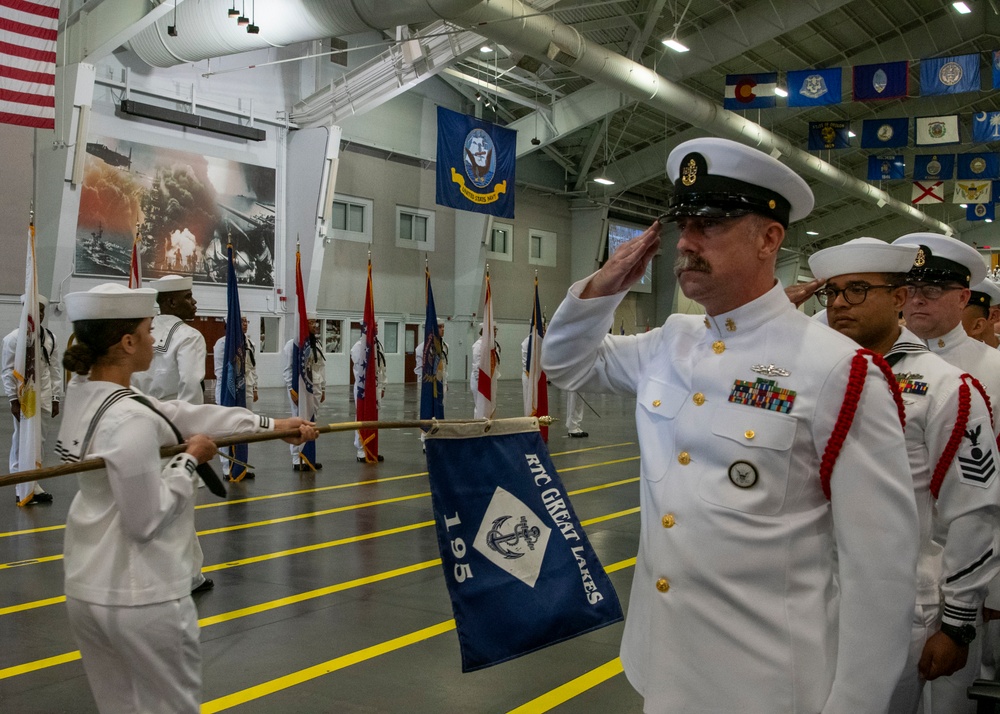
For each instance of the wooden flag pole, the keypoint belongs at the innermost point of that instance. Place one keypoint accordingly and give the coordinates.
(168, 451)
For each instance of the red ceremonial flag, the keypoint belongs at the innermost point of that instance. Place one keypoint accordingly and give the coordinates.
(303, 361)
(28, 62)
(135, 266)
(536, 396)
(367, 401)
(486, 369)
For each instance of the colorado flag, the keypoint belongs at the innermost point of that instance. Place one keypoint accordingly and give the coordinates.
(750, 91)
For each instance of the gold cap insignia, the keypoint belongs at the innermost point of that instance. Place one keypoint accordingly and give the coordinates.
(690, 173)
(919, 261)
(771, 204)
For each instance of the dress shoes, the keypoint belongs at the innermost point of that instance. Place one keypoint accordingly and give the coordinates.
(579, 434)
(361, 459)
(206, 585)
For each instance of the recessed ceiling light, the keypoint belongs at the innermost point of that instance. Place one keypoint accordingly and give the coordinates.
(485, 48)
(604, 181)
(812, 233)
(961, 8)
(675, 45)
(780, 92)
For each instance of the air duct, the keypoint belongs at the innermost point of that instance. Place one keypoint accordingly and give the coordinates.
(210, 32)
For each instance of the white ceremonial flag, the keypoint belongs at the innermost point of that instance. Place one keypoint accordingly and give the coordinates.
(973, 192)
(27, 368)
(927, 192)
(932, 131)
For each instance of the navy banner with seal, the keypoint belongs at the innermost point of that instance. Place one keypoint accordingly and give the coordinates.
(475, 164)
(519, 568)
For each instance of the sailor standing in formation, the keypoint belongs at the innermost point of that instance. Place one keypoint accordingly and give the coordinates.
(50, 383)
(304, 459)
(952, 453)
(250, 377)
(769, 443)
(130, 543)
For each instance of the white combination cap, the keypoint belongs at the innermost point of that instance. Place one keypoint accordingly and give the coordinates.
(718, 178)
(111, 301)
(943, 259)
(986, 294)
(862, 255)
(172, 283)
(42, 300)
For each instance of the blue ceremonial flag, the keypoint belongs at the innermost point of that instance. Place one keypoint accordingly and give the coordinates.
(519, 568)
(985, 127)
(814, 87)
(995, 64)
(979, 166)
(885, 133)
(750, 91)
(475, 164)
(980, 211)
(949, 75)
(234, 385)
(939, 167)
(829, 135)
(884, 80)
(434, 360)
(886, 168)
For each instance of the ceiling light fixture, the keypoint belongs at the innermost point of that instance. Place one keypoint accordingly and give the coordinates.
(961, 8)
(172, 29)
(485, 49)
(780, 92)
(675, 45)
(233, 12)
(604, 181)
(243, 20)
(812, 233)
(851, 134)
(963, 205)
(989, 220)
(603, 178)
(253, 29)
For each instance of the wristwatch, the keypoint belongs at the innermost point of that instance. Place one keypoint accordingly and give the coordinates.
(962, 635)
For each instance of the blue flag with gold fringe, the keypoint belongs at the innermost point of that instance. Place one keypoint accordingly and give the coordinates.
(475, 164)
(234, 385)
(434, 359)
(519, 568)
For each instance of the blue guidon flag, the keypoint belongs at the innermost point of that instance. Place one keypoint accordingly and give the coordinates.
(519, 568)
(475, 164)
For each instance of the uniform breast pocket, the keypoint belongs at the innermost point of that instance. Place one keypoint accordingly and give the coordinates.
(751, 453)
(657, 406)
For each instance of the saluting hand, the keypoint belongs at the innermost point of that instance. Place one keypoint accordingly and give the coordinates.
(798, 294)
(626, 266)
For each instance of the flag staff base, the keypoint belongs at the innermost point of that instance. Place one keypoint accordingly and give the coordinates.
(167, 451)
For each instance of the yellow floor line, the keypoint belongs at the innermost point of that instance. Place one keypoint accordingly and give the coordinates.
(304, 675)
(562, 694)
(321, 489)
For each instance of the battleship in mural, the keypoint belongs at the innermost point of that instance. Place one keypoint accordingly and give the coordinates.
(184, 208)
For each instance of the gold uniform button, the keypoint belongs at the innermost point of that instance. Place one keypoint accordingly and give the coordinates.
(662, 585)
(668, 520)
(698, 399)
(656, 402)
(718, 347)
(684, 458)
(749, 433)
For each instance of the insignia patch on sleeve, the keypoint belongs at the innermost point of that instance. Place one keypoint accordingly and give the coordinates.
(976, 459)
(763, 394)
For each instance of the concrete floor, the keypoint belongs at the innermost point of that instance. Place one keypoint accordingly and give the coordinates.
(327, 598)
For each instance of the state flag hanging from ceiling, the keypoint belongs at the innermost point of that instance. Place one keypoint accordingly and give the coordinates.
(934, 131)
(980, 212)
(475, 164)
(979, 166)
(890, 167)
(884, 80)
(519, 568)
(927, 192)
(973, 192)
(829, 135)
(986, 127)
(885, 133)
(949, 75)
(995, 65)
(814, 87)
(933, 166)
(750, 91)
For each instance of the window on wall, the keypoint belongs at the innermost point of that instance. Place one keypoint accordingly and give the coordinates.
(541, 247)
(332, 342)
(390, 338)
(414, 228)
(351, 219)
(501, 243)
(270, 334)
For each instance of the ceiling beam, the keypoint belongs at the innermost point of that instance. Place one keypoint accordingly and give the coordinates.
(98, 29)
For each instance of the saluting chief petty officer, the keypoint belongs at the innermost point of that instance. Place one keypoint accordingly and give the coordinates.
(768, 444)
(953, 457)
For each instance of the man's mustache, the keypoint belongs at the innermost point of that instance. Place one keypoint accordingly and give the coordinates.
(690, 261)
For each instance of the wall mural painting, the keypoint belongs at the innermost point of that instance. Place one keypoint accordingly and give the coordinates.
(185, 204)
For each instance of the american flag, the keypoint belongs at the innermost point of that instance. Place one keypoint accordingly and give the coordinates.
(28, 32)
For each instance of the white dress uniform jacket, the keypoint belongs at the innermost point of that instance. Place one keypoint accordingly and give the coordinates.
(50, 381)
(738, 601)
(178, 367)
(130, 536)
(249, 369)
(318, 368)
(972, 356)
